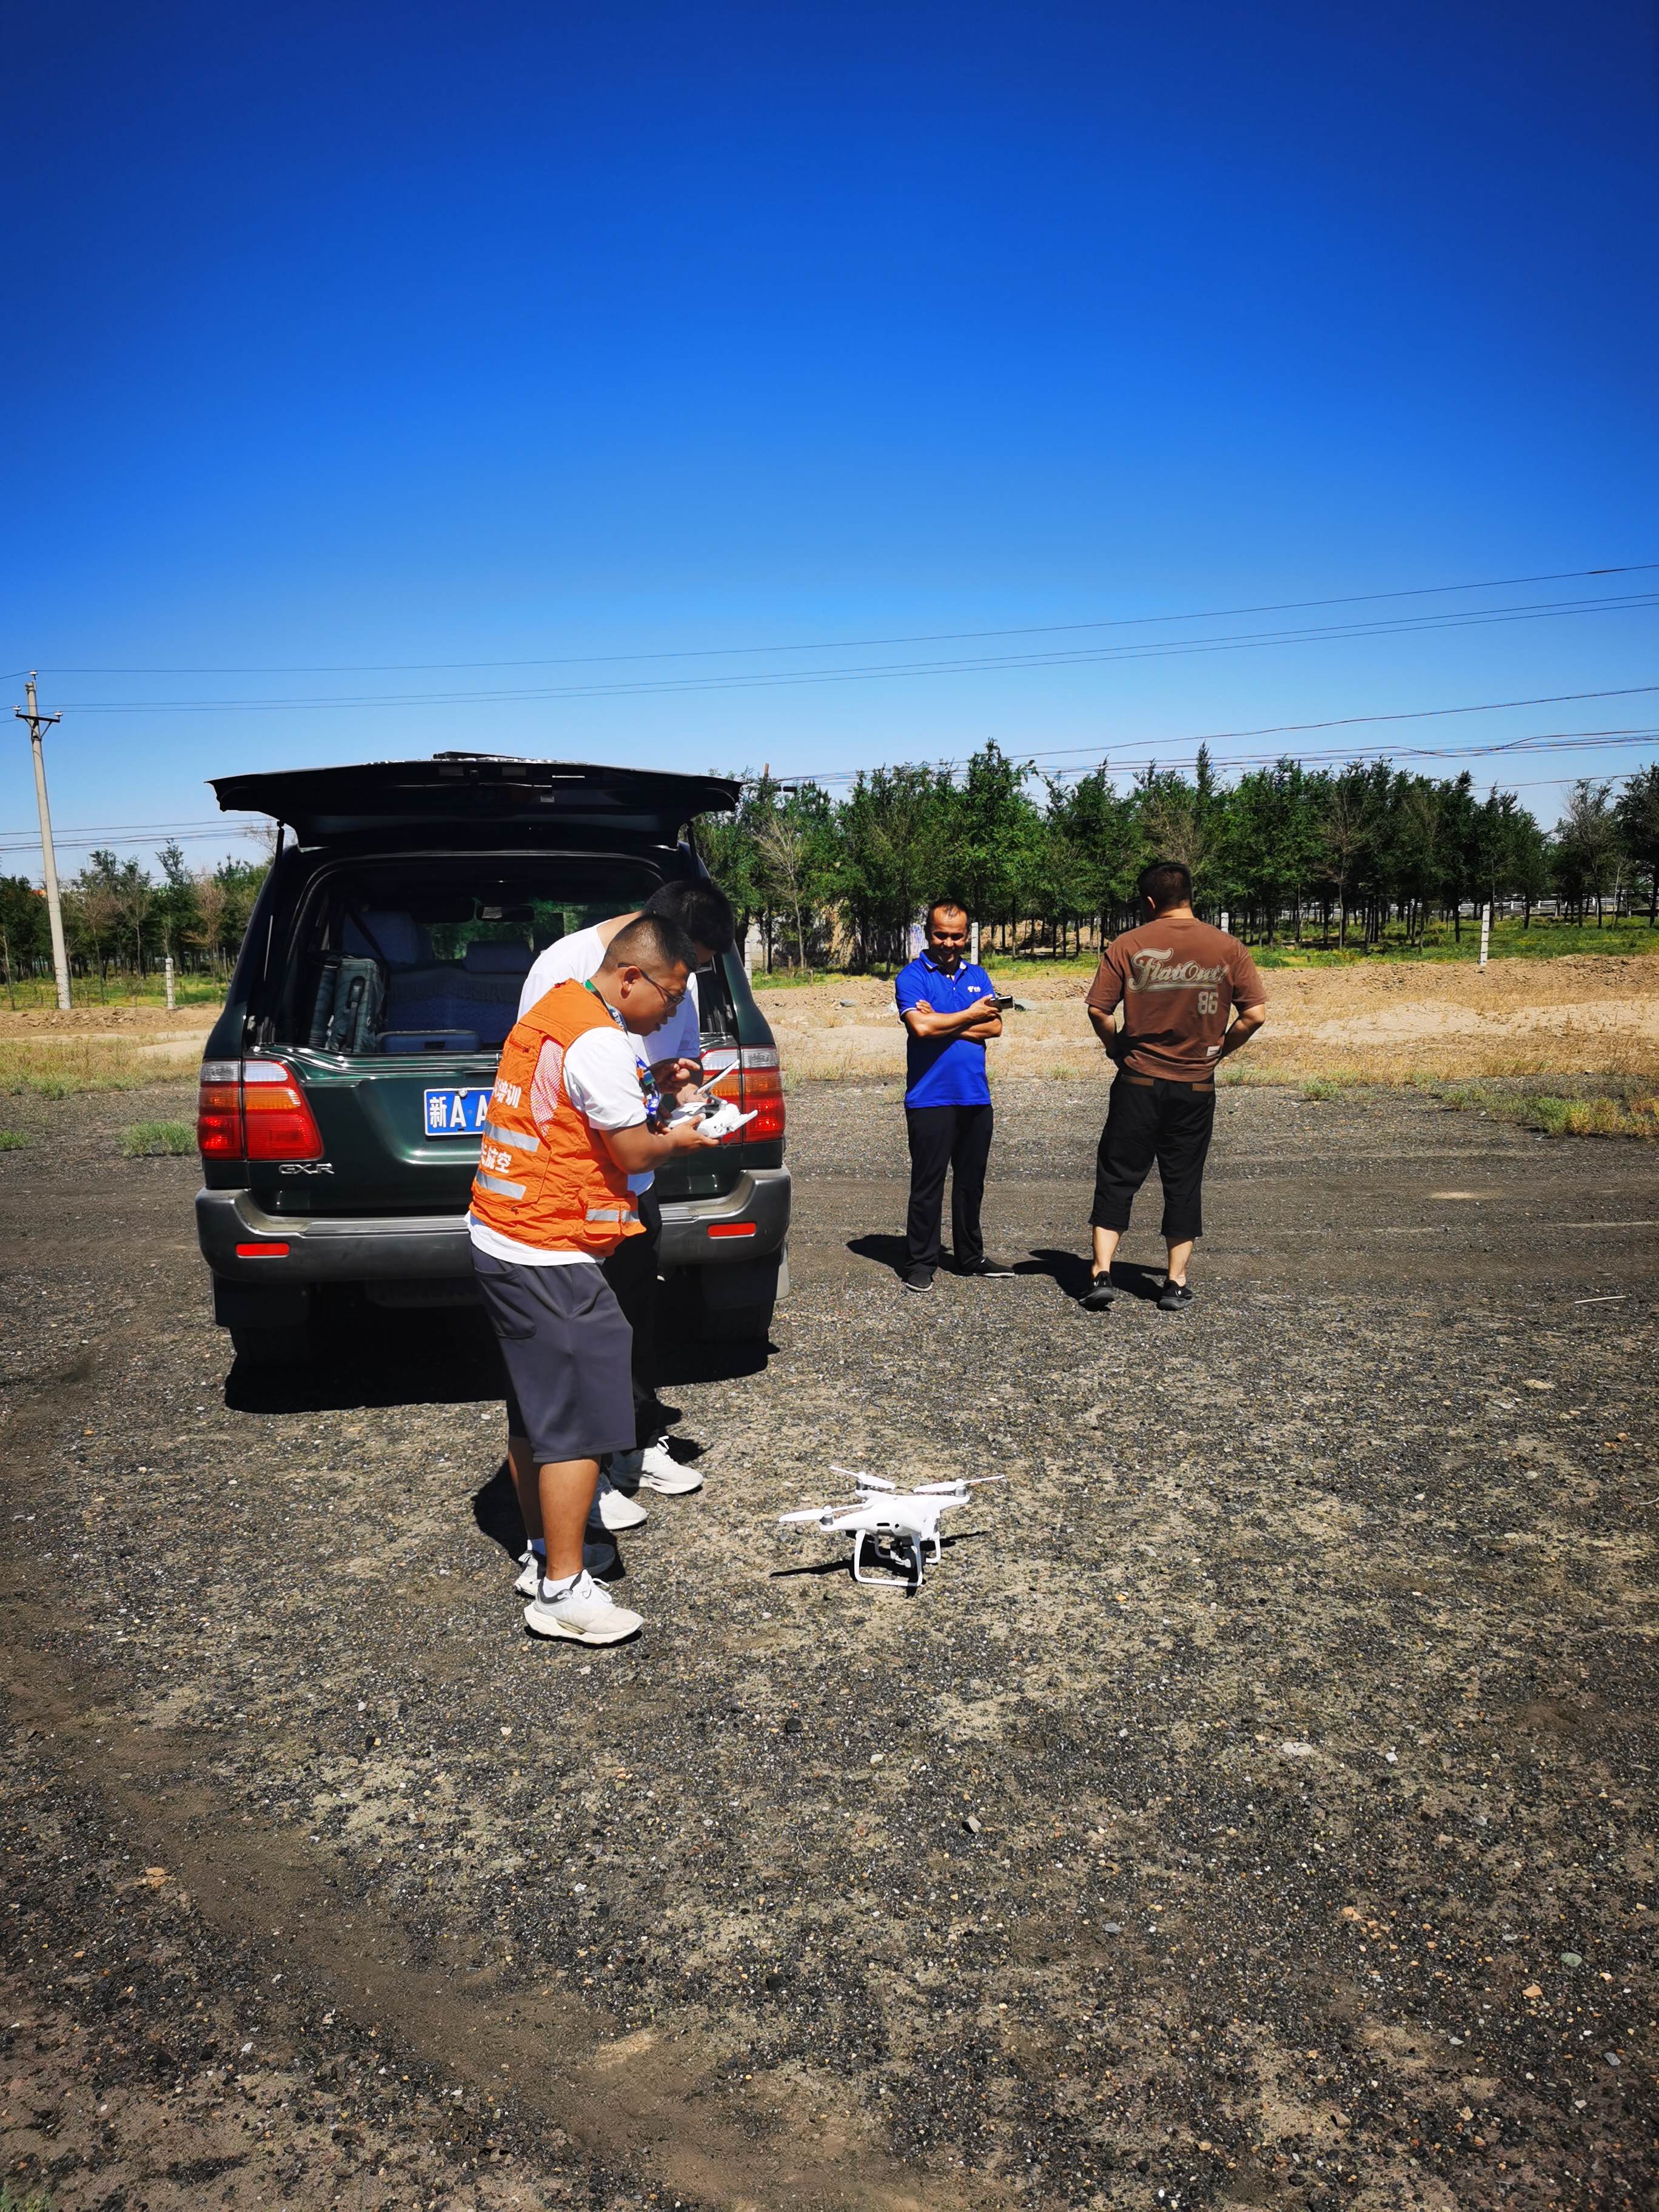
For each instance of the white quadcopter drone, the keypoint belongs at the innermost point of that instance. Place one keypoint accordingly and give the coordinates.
(899, 1527)
(716, 1117)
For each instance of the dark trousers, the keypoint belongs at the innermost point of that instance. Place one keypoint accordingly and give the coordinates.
(957, 1138)
(631, 1271)
(1147, 1120)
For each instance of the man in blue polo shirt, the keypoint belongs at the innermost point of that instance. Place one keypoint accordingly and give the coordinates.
(949, 1007)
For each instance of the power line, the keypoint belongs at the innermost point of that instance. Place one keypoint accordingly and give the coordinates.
(1124, 760)
(1295, 729)
(82, 841)
(1389, 627)
(1558, 742)
(861, 644)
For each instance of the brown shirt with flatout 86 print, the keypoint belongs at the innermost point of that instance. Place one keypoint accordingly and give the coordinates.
(1177, 979)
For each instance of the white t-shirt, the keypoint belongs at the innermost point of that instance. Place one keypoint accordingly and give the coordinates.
(578, 956)
(602, 1078)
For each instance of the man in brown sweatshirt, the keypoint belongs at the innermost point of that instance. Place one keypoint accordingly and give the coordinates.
(1178, 980)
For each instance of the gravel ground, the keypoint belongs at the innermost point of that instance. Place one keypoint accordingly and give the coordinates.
(1255, 1807)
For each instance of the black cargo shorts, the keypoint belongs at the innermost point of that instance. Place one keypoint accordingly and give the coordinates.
(568, 1356)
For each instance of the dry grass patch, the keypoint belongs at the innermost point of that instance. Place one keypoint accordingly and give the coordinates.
(158, 1139)
(1628, 1108)
(59, 1068)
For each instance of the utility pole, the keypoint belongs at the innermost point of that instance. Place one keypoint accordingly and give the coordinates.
(38, 722)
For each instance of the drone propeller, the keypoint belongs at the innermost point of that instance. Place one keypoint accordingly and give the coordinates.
(864, 1481)
(821, 1513)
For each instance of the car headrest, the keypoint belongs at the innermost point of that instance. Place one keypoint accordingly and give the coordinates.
(385, 934)
(483, 959)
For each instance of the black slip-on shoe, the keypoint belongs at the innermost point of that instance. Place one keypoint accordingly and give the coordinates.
(1098, 1296)
(987, 1265)
(918, 1278)
(1174, 1298)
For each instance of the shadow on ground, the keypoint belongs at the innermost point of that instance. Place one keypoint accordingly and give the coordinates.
(373, 1358)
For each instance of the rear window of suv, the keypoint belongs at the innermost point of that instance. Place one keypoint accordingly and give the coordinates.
(424, 955)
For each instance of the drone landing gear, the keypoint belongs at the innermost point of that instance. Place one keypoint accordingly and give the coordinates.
(898, 1560)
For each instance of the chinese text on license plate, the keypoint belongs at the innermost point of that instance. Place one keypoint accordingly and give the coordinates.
(456, 1113)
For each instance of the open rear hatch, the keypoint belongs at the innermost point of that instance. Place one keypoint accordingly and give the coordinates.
(474, 793)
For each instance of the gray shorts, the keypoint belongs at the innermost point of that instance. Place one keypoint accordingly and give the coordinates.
(569, 1355)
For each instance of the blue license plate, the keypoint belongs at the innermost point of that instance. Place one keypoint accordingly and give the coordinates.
(456, 1113)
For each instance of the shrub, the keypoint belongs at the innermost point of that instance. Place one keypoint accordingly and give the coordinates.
(145, 1139)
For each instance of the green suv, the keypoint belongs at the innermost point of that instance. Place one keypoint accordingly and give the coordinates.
(344, 1085)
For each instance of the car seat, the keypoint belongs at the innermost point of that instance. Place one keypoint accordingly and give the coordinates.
(492, 980)
(425, 1006)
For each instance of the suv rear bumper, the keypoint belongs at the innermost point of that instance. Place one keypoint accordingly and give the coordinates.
(749, 1222)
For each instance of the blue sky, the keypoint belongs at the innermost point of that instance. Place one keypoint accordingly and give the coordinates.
(365, 335)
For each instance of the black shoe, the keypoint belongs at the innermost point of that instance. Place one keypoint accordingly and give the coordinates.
(1174, 1298)
(918, 1278)
(985, 1265)
(1098, 1296)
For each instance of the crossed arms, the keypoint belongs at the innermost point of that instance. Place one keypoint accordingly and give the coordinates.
(980, 1020)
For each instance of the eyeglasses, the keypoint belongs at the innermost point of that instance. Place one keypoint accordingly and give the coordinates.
(670, 999)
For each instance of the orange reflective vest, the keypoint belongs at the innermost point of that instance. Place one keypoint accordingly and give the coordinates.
(553, 1185)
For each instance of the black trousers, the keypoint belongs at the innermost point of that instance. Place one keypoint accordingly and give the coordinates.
(1169, 1123)
(631, 1271)
(957, 1138)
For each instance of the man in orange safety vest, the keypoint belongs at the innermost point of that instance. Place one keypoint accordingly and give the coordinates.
(571, 1117)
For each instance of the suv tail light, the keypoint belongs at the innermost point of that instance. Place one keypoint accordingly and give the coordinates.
(758, 1090)
(219, 1110)
(254, 1109)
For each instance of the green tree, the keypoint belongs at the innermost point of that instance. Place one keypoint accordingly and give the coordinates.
(174, 915)
(1528, 864)
(25, 937)
(1638, 814)
(1183, 821)
(795, 848)
(1275, 841)
(991, 829)
(1348, 830)
(727, 842)
(891, 831)
(223, 901)
(1589, 843)
(1104, 827)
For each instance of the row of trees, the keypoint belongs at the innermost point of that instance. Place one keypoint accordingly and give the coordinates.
(1047, 864)
(117, 914)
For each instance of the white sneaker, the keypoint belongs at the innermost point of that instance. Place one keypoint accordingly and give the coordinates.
(660, 1471)
(614, 1510)
(599, 1558)
(655, 1467)
(585, 1613)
